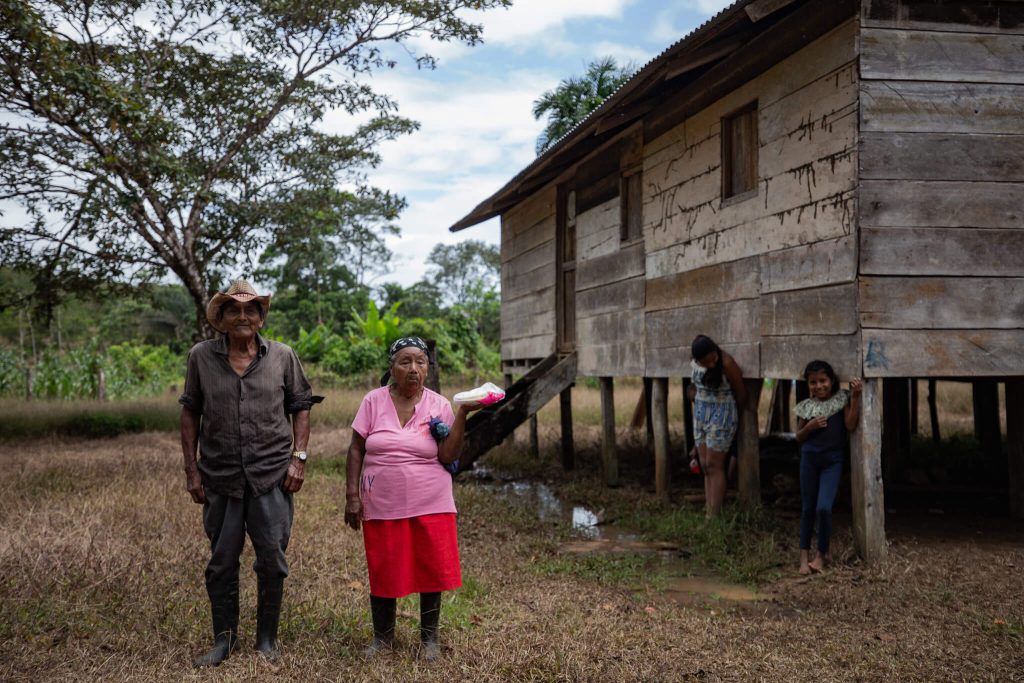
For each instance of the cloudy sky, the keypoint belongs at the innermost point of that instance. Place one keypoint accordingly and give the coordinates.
(475, 108)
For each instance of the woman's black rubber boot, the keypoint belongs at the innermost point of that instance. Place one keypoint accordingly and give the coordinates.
(224, 610)
(270, 593)
(430, 616)
(382, 610)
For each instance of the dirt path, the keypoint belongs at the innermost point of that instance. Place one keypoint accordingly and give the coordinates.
(102, 558)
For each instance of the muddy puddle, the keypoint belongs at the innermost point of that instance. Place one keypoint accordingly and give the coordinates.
(597, 536)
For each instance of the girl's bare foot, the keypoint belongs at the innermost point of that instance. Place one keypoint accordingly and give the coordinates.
(818, 565)
(805, 568)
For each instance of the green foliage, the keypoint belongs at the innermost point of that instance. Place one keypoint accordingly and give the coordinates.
(356, 358)
(460, 349)
(141, 370)
(97, 420)
(576, 97)
(130, 371)
(312, 346)
(12, 374)
(95, 425)
(464, 269)
(382, 329)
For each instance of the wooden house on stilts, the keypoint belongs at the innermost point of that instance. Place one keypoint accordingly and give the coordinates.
(797, 179)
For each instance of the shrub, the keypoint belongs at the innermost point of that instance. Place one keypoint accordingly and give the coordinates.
(103, 425)
(356, 357)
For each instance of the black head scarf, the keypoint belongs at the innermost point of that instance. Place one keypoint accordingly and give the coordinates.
(398, 345)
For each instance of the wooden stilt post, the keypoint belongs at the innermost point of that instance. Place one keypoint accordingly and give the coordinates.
(688, 417)
(659, 422)
(933, 411)
(985, 395)
(509, 381)
(568, 447)
(1015, 444)
(914, 402)
(609, 457)
(647, 411)
(749, 458)
(787, 394)
(802, 391)
(774, 422)
(895, 424)
(776, 409)
(534, 438)
(866, 478)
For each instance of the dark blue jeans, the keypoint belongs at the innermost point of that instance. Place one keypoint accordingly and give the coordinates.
(819, 482)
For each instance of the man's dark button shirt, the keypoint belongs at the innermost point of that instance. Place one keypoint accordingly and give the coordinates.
(245, 435)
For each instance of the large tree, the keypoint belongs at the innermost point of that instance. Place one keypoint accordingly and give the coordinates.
(467, 275)
(575, 97)
(141, 136)
(320, 262)
(460, 269)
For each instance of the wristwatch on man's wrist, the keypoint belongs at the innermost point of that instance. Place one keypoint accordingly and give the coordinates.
(301, 455)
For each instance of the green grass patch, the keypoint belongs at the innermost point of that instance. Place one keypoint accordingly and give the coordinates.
(89, 419)
(739, 545)
(627, 570)
(329, 467)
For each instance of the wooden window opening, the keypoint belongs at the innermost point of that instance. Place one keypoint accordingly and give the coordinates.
(632, 206)
(739, 153)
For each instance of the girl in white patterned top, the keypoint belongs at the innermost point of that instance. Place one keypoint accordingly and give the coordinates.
(718, 397)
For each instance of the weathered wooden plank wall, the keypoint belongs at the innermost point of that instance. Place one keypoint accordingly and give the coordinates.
(747, 272)
(610, 272)
(528, 278)
(609, 296)
(942, 188)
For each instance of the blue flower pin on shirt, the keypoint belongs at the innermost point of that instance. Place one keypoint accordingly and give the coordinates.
(440, 430)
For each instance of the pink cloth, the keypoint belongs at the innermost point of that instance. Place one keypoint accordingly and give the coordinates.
(402, 476)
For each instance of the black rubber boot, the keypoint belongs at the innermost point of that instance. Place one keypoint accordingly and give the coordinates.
(382, 610)
(224, 610)
(269, 595)
(430, 615)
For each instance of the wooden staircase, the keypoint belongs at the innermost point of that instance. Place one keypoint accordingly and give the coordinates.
(489, 426)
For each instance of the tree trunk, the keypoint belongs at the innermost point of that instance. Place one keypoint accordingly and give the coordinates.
(200, 299)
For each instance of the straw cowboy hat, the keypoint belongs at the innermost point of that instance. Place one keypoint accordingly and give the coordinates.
(240, 291)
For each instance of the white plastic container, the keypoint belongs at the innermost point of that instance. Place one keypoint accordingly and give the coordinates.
(484, 395)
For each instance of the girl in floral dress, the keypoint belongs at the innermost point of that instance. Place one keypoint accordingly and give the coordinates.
(719, 394)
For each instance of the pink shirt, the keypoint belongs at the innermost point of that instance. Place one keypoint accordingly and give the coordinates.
(402, 476)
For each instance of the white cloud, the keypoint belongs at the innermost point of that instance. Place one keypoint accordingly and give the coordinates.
(709, 6)
(673, 23)
(623, 54)
(527, 24)
(476, 133)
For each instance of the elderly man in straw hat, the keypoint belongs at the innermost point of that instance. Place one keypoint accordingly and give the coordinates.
(245, 409)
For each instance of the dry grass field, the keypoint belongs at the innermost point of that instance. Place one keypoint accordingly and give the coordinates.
(102, 555)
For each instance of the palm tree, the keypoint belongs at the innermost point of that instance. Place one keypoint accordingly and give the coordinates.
(577, 96)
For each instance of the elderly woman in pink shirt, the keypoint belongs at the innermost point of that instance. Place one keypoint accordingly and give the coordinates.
(399, 490)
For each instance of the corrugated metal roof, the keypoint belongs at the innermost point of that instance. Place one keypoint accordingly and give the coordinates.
(482, 212)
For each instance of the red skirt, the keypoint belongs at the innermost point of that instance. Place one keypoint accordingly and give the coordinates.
(412, 555)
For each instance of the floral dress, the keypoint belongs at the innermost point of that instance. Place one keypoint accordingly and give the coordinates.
(715, 417)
